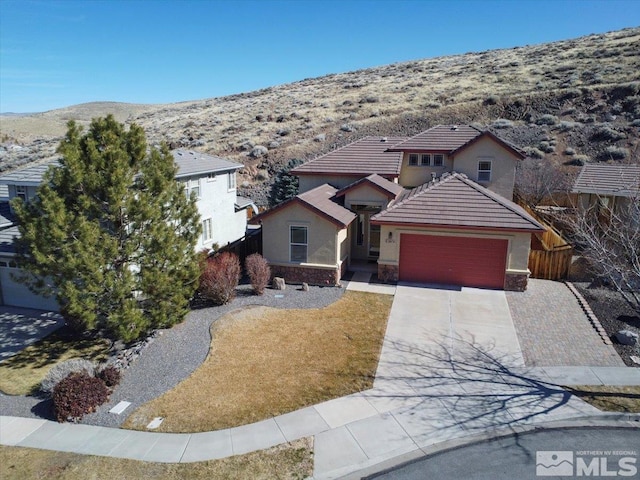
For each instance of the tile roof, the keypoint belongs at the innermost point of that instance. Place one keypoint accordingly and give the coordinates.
(456, 201)
(450, 139)
(362, 157)
(189, 163)
(608, 179)
(391, 189)
(244, 202)
(192, 163)
(320, 200)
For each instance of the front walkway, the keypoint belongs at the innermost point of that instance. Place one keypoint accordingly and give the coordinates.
(20, 327)
(450, 367)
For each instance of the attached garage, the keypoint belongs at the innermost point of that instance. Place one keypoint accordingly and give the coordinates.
(468, 261)
(16, 294)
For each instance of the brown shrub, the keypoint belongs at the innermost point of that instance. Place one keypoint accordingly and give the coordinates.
(110, 375)
(220, 278)
(77, 395)
(259, 272)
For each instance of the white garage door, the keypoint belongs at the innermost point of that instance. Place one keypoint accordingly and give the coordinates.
(17, 295)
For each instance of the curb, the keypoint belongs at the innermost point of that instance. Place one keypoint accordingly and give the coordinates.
(590, 315)
(617, 420)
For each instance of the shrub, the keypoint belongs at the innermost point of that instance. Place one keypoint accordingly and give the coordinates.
(605, 132)
(502, 123)
(614, 153)
(259, 272)
(534, 152)
(110, 375)
(547, 147)
(569, 151)
(220, 278)
(62, 370)
(77, 395)
(547, 119)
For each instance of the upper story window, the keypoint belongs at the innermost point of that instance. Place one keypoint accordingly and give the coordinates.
(484, 171)
(231, 184)
(413, 159)
(438, 160)
(211, 177)
(207, 230)
(21, 191)
(425, 159)
(192, 186)
(298, 244)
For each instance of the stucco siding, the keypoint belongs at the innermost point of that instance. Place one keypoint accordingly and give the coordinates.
(309, 182)
(365, 195)
(322, 236)
(503, 165)
(416, 175)
(517, 253)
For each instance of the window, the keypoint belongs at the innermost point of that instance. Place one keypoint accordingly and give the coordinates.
(413, 159)
(21, 191)
(438, 160)
(232, 181)
(211, 177)
(192, 186)
(207, 230)
(484, 171)
(298, 244)
(425, 160)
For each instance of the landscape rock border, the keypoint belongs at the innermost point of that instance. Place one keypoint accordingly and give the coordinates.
(590, 315)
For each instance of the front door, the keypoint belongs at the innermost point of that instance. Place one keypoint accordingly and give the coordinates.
(365, 238)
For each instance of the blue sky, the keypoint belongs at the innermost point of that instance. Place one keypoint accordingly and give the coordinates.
(60, 53)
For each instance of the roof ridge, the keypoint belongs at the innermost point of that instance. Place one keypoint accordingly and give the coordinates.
(445, 177)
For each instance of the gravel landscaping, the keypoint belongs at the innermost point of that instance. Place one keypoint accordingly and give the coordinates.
(173, 354)
(614, 315)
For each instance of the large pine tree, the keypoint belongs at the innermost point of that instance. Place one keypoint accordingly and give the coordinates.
(111, 233)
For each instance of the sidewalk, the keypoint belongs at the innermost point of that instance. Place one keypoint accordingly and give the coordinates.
(423, 395)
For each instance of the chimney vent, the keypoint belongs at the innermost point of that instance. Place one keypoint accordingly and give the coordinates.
(383, 139)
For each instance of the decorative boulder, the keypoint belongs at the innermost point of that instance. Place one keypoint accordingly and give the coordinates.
(627, 337)
(278, 283)
(305, 287)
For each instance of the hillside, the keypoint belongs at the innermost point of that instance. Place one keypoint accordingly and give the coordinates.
(568, 102)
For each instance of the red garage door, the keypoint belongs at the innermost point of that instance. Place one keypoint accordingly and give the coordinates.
(472, 262)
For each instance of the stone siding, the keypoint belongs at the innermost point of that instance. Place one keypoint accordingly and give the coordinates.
(516, 282)
(310, 275)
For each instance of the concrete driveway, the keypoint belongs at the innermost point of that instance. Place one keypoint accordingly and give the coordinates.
(20, 327)
(433, 327)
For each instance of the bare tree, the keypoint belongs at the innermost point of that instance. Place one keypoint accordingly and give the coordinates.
(610, 239)
(538, 178)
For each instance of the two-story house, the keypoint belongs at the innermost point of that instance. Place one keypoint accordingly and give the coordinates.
(211, 179)
(436, 207)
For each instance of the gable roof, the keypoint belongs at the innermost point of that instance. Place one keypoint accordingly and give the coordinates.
(456, 201)
(191, 163)
(388, 188)
(320, 201)
(450, 139)
(362, 157)
(608, 179)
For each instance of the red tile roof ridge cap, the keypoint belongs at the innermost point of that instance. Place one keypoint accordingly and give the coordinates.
(505, 202)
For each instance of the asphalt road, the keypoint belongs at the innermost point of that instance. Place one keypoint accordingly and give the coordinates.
(591, 452)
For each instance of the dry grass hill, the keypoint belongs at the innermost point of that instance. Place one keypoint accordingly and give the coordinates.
(566, 102)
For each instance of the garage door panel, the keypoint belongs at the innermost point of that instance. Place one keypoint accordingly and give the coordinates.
(16, 294)
(468, 261)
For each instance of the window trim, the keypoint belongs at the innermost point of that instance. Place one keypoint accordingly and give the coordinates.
(190, 187)
(207, 238)
(232, 183)
(298, 244)
(22, 192)
(211, 177)
(486, 171)
(427, 157)
(413, 160)
(438, 160)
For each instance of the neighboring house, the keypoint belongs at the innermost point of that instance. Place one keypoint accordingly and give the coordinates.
(211, 179)
(456, 225)
(607, 186)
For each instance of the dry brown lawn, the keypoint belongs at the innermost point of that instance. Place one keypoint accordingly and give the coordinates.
(22, 373)
(609, 398)
(265, 362)
(288, 461)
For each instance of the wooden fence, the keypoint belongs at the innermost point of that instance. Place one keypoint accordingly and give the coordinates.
(550, 256)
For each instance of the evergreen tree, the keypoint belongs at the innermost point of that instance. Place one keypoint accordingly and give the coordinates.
(111, 233)
(285, 185)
